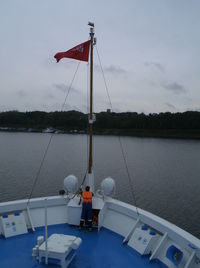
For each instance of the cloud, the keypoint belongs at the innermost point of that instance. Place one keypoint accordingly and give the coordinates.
(158, 66)
(69, 107)
(97, 68)
(64, 88)
(169, 105)
(195, 109)
(113, 69)
(56, 106)
(5, 108)
(50, 96)
(21, 93)
(175, 87)
(50, 62)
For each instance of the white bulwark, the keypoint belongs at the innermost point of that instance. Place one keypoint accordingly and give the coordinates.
(146, 233)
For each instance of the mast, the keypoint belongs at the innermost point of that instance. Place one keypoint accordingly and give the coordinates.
(90, 179)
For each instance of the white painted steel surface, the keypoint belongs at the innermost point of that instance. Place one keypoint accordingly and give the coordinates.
(71, 184)
(13, 225)
(108, 186)
(142, 241)
(59, 247)
(118, 217)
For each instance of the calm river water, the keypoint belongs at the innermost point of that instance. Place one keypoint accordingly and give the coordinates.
(165, 173)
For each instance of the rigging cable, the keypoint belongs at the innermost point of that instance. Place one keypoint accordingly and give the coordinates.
(120, 142)
(87, 125)
(50, 139)
(87, 130)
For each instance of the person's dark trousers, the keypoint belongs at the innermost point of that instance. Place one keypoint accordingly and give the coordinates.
(86, 214)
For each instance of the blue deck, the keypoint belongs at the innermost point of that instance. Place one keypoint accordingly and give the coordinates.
(104, 249)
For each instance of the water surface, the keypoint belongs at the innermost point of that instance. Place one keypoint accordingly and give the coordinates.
(165, 173)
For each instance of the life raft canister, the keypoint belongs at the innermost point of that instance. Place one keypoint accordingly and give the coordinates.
(87, 197)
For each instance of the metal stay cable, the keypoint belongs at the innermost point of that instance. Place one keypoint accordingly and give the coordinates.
(104, 78)
(87, 125)
(120, 142)
(50, 139)
(129, 176)
(77, 192)
(84, 178)
(87, 129)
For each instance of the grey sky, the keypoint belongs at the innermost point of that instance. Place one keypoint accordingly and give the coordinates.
(150, 52)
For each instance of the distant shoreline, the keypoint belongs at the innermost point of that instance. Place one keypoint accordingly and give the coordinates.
(143, 133)
(167, 125)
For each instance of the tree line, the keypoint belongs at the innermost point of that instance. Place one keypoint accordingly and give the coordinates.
(104, 120)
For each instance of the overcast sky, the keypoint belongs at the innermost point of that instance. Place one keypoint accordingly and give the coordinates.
(149, 49)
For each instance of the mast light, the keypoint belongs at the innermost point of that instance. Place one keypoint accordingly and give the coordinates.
(90, 23)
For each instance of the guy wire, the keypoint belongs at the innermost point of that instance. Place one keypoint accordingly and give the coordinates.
(120, 142)
(51, 136)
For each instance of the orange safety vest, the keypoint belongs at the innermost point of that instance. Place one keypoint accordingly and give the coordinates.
(87, 197)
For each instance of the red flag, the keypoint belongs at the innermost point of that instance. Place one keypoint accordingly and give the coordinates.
(80, 52)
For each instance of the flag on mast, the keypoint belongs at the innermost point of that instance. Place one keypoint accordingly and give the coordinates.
(79, 52)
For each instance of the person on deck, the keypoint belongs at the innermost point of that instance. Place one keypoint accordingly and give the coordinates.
(86, 214)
